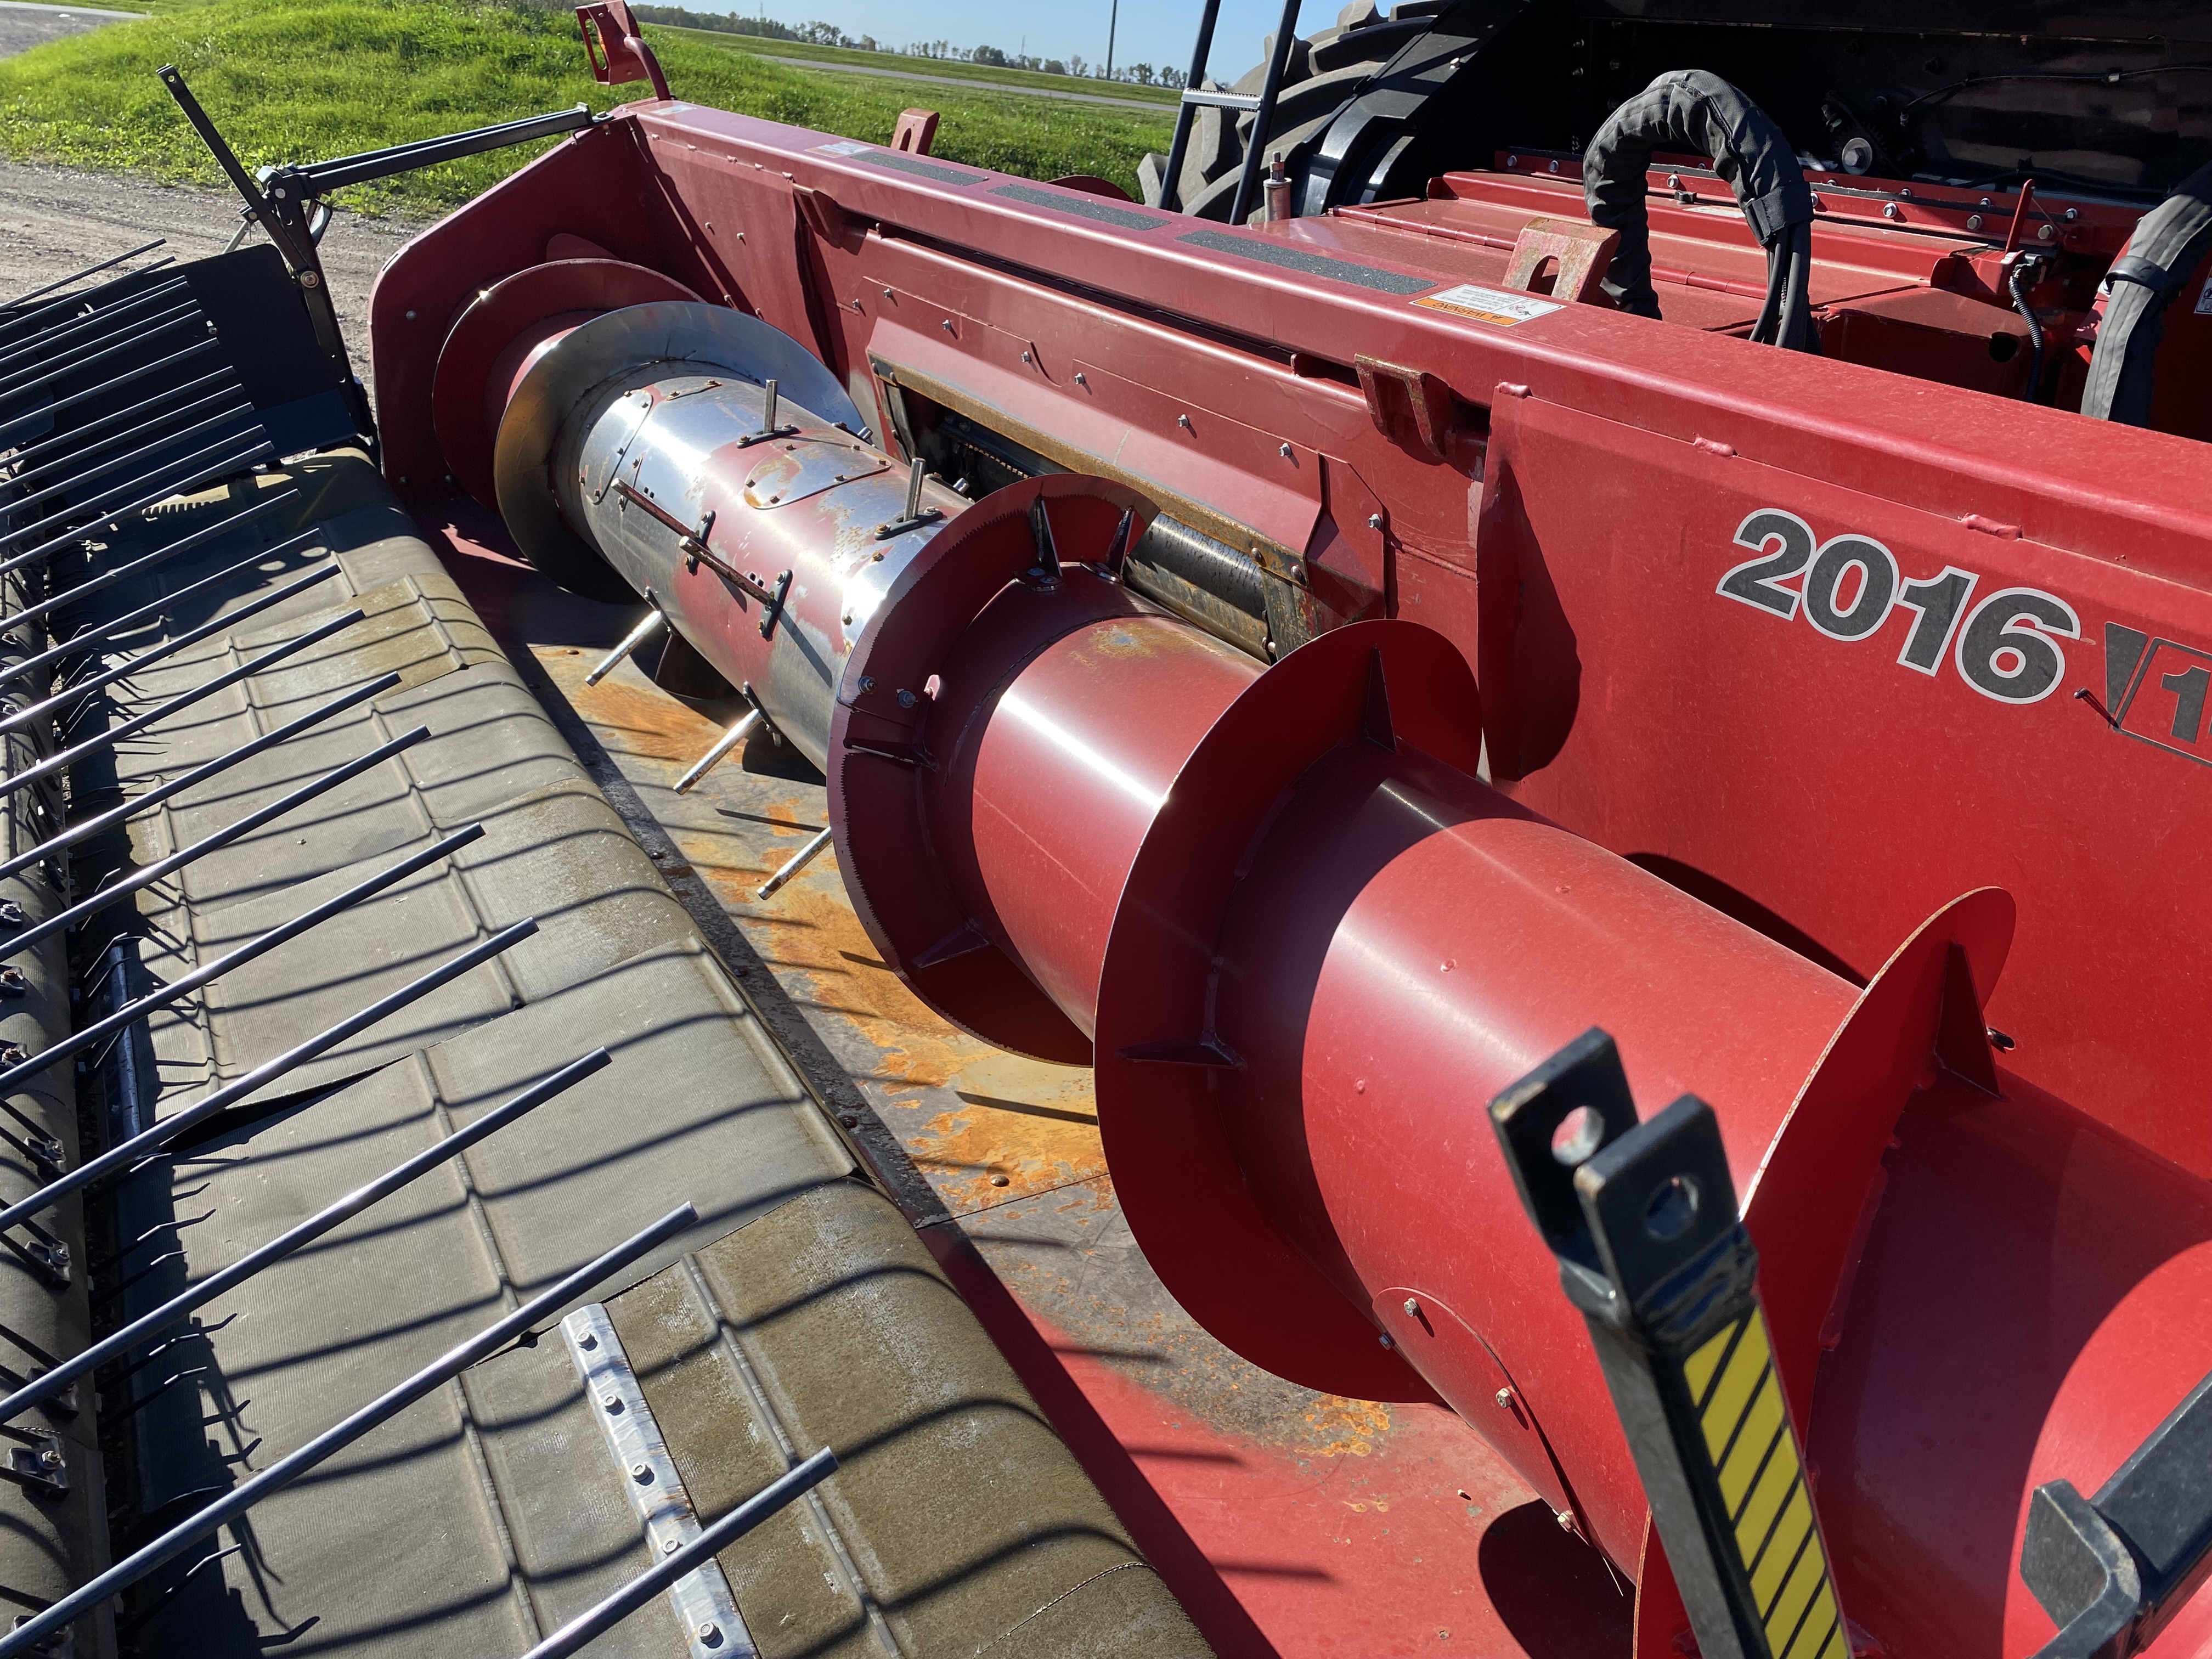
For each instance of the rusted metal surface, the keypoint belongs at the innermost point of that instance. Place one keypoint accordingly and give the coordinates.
(1285, 1518)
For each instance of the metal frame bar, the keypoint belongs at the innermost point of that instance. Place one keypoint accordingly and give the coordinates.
(185, 984)
(1248, 182)
(440, 1371)
(300, 258)
(705, 1609)
(199, 775)
(79, 690)
(22, 300)
(152, 1139)
(286, 222)
(110, 1348)
(320, 178)
(1186, 111)
(594, 1622)
(146, 875)
(62, 760)
(80, 514)
(115, 573)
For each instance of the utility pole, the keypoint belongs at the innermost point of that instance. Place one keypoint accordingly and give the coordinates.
(1113, 22)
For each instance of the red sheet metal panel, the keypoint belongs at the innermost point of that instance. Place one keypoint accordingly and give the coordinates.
(1661, 685)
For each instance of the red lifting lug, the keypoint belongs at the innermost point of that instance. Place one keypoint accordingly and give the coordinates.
(618, 51)
(1396, 394)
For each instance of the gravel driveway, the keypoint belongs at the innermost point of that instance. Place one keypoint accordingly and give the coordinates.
(54, 221)
(23, 26)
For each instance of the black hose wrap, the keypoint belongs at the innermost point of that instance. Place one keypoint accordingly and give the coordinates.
(2168, 244)
(1694, 110)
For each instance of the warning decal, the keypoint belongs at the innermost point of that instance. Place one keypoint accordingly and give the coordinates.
(843, 147)
(1489, 305)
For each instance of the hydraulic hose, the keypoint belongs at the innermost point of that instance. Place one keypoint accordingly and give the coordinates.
(2169, 243)
(1691, 109)
(1795, 329)
(2023, 277)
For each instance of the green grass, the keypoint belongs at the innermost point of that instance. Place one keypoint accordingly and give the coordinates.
(303, 80)
(948, 68)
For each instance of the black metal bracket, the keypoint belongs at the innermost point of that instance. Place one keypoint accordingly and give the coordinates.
(284, 218)
(287, 203)
(928, 515)
(692, 543)
(45, 1255)
(1642, 1218)
(2110, 1570)
(773, 612)
(44, 1150)
(1263, 117)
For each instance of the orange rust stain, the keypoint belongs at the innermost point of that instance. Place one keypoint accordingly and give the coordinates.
(1345, 1428)
(650, 722)
(1121, 640)
(1032, 1125)
(811, 929)
(988, 1150)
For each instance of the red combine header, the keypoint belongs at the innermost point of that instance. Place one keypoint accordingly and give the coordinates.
(1584, 687)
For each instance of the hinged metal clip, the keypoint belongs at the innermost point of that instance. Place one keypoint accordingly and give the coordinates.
(45, 1254)
(38, 1467)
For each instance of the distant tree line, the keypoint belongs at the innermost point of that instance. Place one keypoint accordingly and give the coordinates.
(818, 33)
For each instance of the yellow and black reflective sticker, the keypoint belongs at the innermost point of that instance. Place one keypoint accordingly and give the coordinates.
(1754, 1450)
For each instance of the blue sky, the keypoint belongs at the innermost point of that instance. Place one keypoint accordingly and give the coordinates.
(1152, 31)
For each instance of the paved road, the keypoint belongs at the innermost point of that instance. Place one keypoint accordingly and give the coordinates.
(54, 221)
(23, 26)
(1157, 106)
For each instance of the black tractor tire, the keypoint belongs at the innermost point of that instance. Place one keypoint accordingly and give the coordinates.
(1322, 75)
